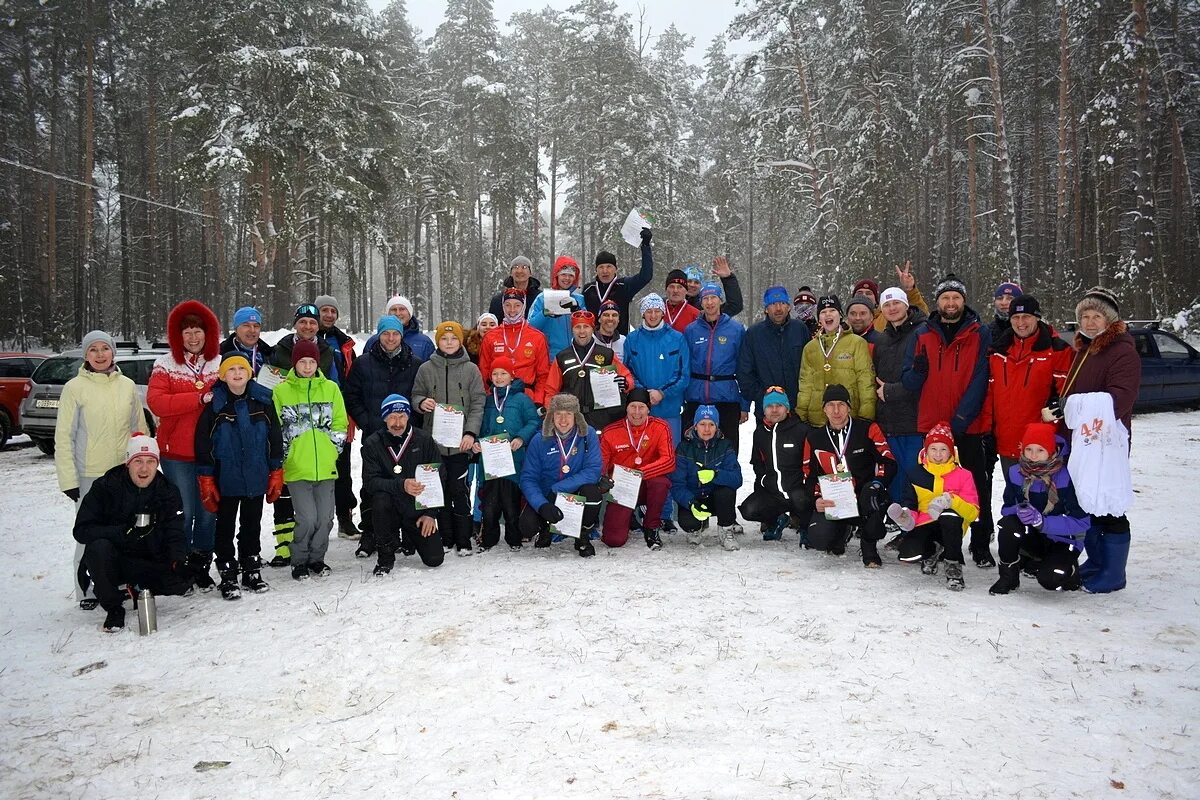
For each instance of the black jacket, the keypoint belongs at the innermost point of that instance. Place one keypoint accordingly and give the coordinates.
(778, 456)
(867, 454)
(622, 290)
(261, 356)
(374, 377)
(496, 307)
(897, 412)
(378, 465)
(108, 509)
(281, 357)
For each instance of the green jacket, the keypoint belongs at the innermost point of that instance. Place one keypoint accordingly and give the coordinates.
(850, 365)
(313, 417)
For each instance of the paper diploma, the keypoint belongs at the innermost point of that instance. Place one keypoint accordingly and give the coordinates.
(605, 393)
(497, 457)
(627, 485)
(431, 496)
(448, 424)
(840, 489)
(269, 377)
(553, 300)
(631, 230)
(571, 506)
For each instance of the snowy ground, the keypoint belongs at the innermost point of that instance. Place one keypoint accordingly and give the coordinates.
(688, 673)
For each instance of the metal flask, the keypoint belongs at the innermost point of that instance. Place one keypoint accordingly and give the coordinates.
(147, 613)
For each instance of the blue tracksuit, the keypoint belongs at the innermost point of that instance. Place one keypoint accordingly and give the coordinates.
(658, 360)
(713, 351)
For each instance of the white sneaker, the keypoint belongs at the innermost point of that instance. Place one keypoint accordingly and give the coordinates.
(727, 540)
(693, 537)
(466, 551)
(737, 529)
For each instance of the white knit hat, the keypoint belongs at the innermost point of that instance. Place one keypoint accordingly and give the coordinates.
(399, 300)
(893, 293)
(141, 445)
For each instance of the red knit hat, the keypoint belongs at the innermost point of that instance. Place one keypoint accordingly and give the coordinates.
(1042, 434)
(505, 363)
(940, 434)
(867, 283)
(303, 348)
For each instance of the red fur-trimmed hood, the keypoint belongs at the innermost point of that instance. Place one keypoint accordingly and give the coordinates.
(212, 329)
(1111, 334)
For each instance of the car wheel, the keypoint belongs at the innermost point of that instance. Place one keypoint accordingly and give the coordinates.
(5, 428)
(45, 445)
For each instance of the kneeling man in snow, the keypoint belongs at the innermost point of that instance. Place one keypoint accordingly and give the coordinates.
(131, 526)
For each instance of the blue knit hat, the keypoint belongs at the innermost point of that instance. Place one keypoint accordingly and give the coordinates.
(710, 289)
(706, 413)
(776, 294)
(395, 404)
(776, 396)
(246, 314)
(693, 272)
(389, 323)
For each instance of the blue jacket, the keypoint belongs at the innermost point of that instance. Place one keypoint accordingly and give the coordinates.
(542, 473)
(694, 455)
(557, 329)
(714, 358)
(1065, 521)
(422, 346)
(239, 440)
(770, 356)
(659, 360)
(521, 421)
(374, 377)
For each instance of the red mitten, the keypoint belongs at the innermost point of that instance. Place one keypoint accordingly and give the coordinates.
(210, 498)
(274, 485)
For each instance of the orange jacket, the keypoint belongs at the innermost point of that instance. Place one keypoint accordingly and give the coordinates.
(657, 449)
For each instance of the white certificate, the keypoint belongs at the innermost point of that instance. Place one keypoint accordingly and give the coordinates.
(553, 301)
(627, 485)
(448, 424)
(840, 489)
(497, 456)
(431, 496)
(605, 392)
(270, 377)
(631, 230)
(571, 506)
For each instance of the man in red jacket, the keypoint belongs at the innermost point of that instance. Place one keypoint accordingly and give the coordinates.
(520, 341)
(643, 443)
(679, 313)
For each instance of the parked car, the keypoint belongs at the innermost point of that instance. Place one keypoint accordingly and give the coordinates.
(39, 410)
(1170, 370)
(15, 369)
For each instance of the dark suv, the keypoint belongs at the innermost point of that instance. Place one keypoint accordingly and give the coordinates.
(39, 411)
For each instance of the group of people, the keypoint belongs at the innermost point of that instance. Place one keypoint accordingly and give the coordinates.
(563, 415)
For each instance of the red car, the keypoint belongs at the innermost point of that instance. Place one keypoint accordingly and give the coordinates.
(15, 369)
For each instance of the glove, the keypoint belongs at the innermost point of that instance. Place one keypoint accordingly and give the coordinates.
(706, 475)
(622, 384)
(700, 509)
(73, 494)
(570, 304)
(210, 498)
(274, 485)
(647, 235)
(605, 484)
(550, 513)
(920, 364)
(875, 497)
(1053, 411)
(939, 504)
(1029, 515)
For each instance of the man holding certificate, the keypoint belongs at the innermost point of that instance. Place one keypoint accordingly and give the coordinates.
(640, 447)
(563, 458)
(391, 458)
(590, 371)
(847, 468)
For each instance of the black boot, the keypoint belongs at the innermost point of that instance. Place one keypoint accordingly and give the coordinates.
(1010, 578)
(653, 540)
(228, 587)
(870, 554)
(346, 529)
(252, 575)
(583, 545)
(199, 562)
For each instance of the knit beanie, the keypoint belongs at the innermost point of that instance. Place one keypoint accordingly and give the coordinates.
(893, 293)
(306, 311)
(652, 300)
(775, 396)
(805, 295)
(608, 305)
(637, 395)
(398, 300)
(950, 283)
(835, 391)
(326, 300)
(91, 337)
(775, 294)
(1099, 299)
(1025, 304)
(605, 257)
(706, 412)
(305, 349)
(829, 301)
(140, 444)
(451, 327)
(232, 360)
(520, 261)
(860, 300)
(486, 315)
(940, 433)
(395, 404)
(1007, 288)
(505, 363)
(1042, 434)
(677, 276)
(866, 283)
(710, 289)
(246, 314)
(513, 293)
(388, 322)
(693, 273)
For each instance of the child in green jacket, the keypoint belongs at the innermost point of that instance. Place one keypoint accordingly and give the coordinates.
(313, 417)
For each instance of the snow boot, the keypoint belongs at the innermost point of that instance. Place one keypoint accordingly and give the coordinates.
(1010, 578)
(870, 554)
(228, 587)
(300, 572)
(544, 538)
(114, 620)
(693, 537)
(726, 535)
(668, 527)
(983, 558)
(774, 532)
(252, 575)
(1114, 552)
(280, 561)
(199, 562)
(319, 569)
(382, 570)
(653, 540)
(346, 527)
(929, 564)
(954, 576)
(1095, 558)
(584, 546)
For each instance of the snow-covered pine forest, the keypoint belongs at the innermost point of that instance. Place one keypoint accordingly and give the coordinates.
(267, 152)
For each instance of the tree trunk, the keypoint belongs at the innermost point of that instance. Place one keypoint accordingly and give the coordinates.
(1007, 223)
(1143, 224)
(1061, 221)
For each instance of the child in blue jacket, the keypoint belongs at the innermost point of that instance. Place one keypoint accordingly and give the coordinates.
(507, 410)
(706, 479)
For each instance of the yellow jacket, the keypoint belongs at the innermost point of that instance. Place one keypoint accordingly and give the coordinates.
(850, 365)
(97, 414)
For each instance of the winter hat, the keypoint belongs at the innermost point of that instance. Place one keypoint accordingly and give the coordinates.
(652, 300)
(1099, 299)
(829, 301)
(451, 327)
(608, 305)
(563, 264)
(513, 293)
(583, 317)
(388, 323)
(706, 412)
(835, 391)
(486, 315)
(505, 363)
(710, 289)
(693, 273)
(1025, 304)
(520, 261)
(91, 337)
(306, 311)
(246, 314)
(805, 295)
(326, 300)
(860, 300)
(637, 395)
(940, 433)
(140, 444)
(677, 276)
(1043, 434)
(775, 294)
(866, 283)
(305, 349)
(893, 293)
(950, 283)
(232, 360)
(1008, 288)
(563, 402)
(605, 257)
(775, 396)
(395, 404)
(398, 300)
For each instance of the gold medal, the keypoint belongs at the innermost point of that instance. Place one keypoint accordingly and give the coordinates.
(566, 468)
(500, 418)
(583, 373)
(828, 367)
(199, 383)
(638, 460)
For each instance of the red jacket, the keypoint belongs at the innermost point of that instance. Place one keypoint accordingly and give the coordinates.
(955, 387)
(172, 393)
(679, 318)
(1025, 374)
(527, 347)
(657, 448)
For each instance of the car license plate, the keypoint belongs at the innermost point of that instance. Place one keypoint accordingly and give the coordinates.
(45, 403)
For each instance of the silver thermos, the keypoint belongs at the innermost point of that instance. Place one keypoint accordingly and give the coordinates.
(147, 613)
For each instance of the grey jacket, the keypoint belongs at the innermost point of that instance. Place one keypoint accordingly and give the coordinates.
(452, 380)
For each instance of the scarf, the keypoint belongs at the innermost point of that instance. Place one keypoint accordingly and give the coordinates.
(1041, 471)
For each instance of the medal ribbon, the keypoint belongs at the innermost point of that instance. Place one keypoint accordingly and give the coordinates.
(829, 352)
(564, 452)
(197, 371)
(504, 333)
(496, 398)
(637, 448)
(842, 442)
(396, 456)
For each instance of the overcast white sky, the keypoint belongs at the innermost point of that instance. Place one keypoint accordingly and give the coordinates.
(702, 19)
